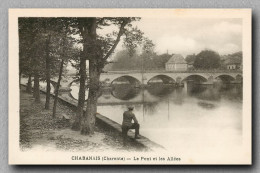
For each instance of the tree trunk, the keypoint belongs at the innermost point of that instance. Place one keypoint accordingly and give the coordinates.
(48, 76)
(20, 77)
(81, 94)
(92, 50)
(36, 87)
(57, 89)
(89, 118)
(29, 84)
(88, 32)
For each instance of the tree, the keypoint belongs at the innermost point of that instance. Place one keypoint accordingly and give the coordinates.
(97, 49)
(148, 55)
(190, 58)
(52, 31)
(128, 59)
(26, 39)
(148, 46)
(31, 52)
(207, 59)
(39, 41)
(124, 61)
(161, 60)
(65, 52)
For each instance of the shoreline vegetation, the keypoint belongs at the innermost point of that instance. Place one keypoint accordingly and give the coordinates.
(38, 130)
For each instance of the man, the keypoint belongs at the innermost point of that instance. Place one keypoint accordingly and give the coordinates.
(127, 124)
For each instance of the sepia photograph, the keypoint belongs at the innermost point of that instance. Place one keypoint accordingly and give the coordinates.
(130, 86)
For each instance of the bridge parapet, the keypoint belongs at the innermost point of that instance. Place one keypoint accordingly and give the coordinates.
(186, 71)
(144, 78)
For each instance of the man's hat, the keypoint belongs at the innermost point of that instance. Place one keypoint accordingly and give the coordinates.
(130, 107)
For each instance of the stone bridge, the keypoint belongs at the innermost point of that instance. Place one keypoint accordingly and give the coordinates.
(167, 77)
(172, 77)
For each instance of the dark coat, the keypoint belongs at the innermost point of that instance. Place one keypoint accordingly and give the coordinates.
(128, 116)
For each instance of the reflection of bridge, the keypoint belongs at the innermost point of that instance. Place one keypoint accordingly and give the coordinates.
(136, 77)
(109, 99)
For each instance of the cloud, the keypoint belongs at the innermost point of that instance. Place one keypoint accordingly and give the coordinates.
(188, 36)
(176, 44)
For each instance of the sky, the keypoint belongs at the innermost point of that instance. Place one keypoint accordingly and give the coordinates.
(190, 36)
(187, 36)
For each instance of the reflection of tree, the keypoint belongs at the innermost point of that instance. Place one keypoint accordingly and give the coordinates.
(206, 105)
(160, 90)
(106, 93)
(150, 108)
(232, 91)
(194, 89)
(203, 92)
(215, 92)
(125, 92)
(178, 97)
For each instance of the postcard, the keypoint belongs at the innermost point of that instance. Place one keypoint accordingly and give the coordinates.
(130, 87)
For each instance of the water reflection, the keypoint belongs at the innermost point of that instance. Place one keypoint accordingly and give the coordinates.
(125, 91)
(160, 90)
(150, 108)
(232, 92)
(181, 115)
(75, 91)
(215, 92)
(157, 93)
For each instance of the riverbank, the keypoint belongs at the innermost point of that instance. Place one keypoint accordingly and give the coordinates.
(38, 130)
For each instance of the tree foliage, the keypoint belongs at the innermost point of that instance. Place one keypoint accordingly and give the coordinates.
(43, 42)
(190, 58)
(97, 48)
(207, 59)
(151, 61)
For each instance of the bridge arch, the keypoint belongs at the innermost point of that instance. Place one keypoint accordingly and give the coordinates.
(161, 79)
(43, 85)
(225, 78)
(126, 79)
(73, 81)
(195, 77)
(74, 86)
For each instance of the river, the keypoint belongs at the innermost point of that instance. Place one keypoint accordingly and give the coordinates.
(193, 116)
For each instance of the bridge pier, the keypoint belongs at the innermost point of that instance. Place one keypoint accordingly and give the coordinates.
(138, 79)
(239, 79)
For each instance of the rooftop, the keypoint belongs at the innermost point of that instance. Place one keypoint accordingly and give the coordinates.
(177, 59)
(233, 60)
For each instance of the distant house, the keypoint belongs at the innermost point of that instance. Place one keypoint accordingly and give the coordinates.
(190, 65)
(233, 63)
(176, 63)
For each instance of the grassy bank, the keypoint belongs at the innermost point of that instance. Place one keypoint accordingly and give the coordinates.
(38, 130)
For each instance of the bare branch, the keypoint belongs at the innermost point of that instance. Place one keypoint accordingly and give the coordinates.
(120, 33)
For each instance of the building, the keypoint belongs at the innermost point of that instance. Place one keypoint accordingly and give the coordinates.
(176, 63)
(233, 64)
(190, 65)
